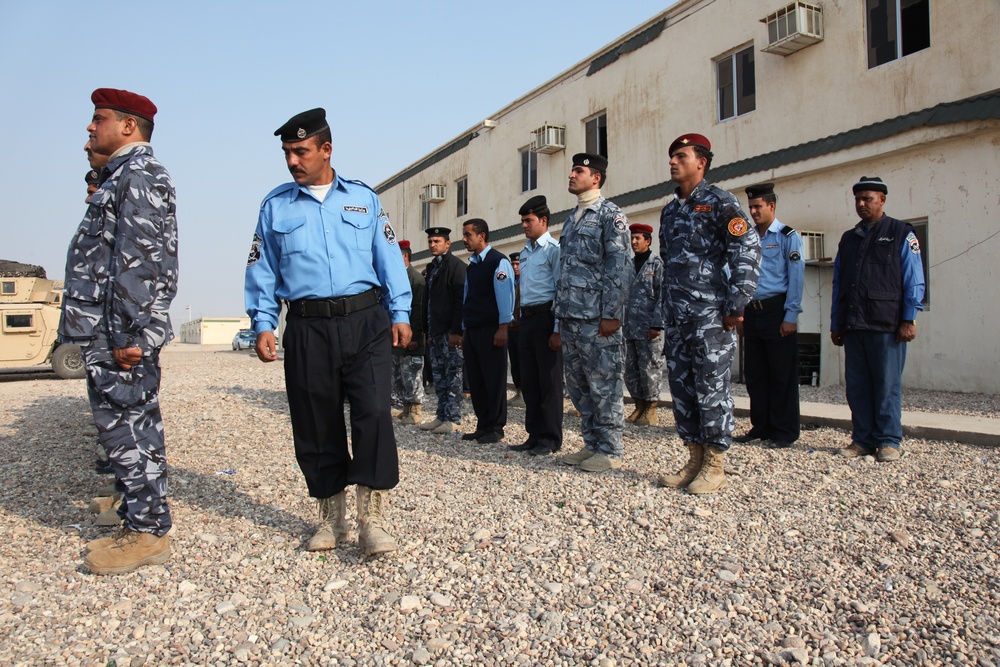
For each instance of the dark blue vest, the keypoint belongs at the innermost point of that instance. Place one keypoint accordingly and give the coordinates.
(870, 292)
(480, 308)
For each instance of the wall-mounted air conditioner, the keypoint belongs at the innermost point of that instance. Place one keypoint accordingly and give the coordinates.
(548, 139)
(813, 245)
(433, 193)
(793, 28)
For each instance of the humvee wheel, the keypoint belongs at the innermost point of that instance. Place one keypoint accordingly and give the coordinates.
(67, 362)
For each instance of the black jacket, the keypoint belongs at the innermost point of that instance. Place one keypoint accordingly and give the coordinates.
(445, 292)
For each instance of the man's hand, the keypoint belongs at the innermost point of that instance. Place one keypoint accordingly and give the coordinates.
(652, 334)
(555, 342)
(837, 338)
(127, 357)
(906, 332)
(729, 322)
(608, 327)
(455, 341)
(787, 329)
(500, 337)
(266, 347)
(401, 334)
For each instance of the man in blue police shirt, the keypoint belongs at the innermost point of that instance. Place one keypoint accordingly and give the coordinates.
(770, 322)
(878, 287)
(324, 245)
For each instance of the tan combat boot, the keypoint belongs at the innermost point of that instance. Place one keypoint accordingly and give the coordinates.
(640, 406)
(648, 416)
(712, 477)
(109, 517)
(373, 524)
(686, 475)
(443, 428)
(412, 415)
(128, 550)
(576, 458)
(332, 523)
(431, 425)
(103, 503)
(401, 414)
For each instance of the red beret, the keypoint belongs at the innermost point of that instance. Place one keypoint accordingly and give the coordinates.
(690, 140)
(639, 228)
(404, 244)
(124, 101)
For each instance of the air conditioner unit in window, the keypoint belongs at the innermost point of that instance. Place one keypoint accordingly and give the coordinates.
(793, 28)
(548, 139)
(813, 245)
(432, 193)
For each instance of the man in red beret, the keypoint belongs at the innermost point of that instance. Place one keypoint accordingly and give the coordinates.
(641, 328)
(121, 275)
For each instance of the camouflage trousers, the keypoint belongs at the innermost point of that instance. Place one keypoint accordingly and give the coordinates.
(446, 368)
(644, 368)
(126, 409)
(699, 355)
(593, 369)
(408, 377)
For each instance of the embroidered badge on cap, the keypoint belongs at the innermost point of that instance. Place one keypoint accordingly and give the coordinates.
(300, 133)
(254, 249)
(356, 209)
(738, 227)
(703, 208)
(620, 224)
(911, 239)
(501, 276)
(794, 256)
(390, 235)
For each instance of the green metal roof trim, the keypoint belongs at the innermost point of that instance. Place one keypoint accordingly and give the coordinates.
(431, 160)
(981, 107)
(631, 44)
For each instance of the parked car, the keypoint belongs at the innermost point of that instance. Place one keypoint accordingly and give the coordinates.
(244, 340)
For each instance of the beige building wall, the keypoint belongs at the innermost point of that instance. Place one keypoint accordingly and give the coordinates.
(213, 330)
(942, 169)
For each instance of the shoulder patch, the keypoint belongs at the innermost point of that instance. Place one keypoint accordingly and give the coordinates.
(911, 240)
(355, 209)
(788, 231)
(794, 256)
(620, 223)
(383, 215)
(390, 234)
(254, 249)
(738, 227)
(501, 276)
(703, 208)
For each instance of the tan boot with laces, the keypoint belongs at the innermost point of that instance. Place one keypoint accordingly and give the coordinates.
(712, 477)
(686, 475)
(127, 551)
(648, 416)
(578, 457)
(332, 523)
(374, 531)
(640, 406)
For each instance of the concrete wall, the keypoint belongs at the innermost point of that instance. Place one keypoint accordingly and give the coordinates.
(213, 330)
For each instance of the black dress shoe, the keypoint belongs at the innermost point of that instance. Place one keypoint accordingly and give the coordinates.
(523, 447)
(476, 435)
(778, 444)
(749, 436)
(542, 450)
(490, 437)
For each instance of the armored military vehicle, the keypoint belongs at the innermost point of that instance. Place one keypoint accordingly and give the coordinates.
(29, 322)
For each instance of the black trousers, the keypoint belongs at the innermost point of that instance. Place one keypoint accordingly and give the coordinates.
(771, 366)
(328, 361)
(486, 371)
(514, 354)
(541, 380)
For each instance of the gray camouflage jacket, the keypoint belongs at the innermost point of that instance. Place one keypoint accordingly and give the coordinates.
(121, 269)
(642, 305)
(594, 271)
(711, 256)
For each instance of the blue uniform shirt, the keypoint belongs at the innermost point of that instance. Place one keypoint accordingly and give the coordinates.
(307, 249)
(539, 270)
(782, 268)
(502, 288)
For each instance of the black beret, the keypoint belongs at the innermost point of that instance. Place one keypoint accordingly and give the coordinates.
(872, 183)
(515, 256)
(438, 231)
(759, 190)
(595, 162)
(92, 178)
(535, 203)
(302, 126)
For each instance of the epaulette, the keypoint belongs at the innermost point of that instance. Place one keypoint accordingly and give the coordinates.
(362, 184)
(284, 187)
(788, 231)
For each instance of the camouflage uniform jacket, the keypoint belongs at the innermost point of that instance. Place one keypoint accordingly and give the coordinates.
(594, 271)
(121, 270)
(642, 305)
(711, 256)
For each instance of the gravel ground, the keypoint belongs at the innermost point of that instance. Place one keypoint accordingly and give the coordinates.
(505, 560)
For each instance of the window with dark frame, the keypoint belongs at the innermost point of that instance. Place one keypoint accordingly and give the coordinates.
(462, 194)
(920, 229)
(896, 28)
(529, 169)
(17, 321)
(737, 84)
(8, 287)
(596, 131)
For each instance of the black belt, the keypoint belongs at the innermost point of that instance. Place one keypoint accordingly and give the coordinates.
(767, 303)
(344, 305)
(536, 309)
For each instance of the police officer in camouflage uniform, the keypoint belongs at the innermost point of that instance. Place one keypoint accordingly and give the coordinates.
(408, 362)
(642, 328)
(121, 275)
(589, 304)
(711, 262)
